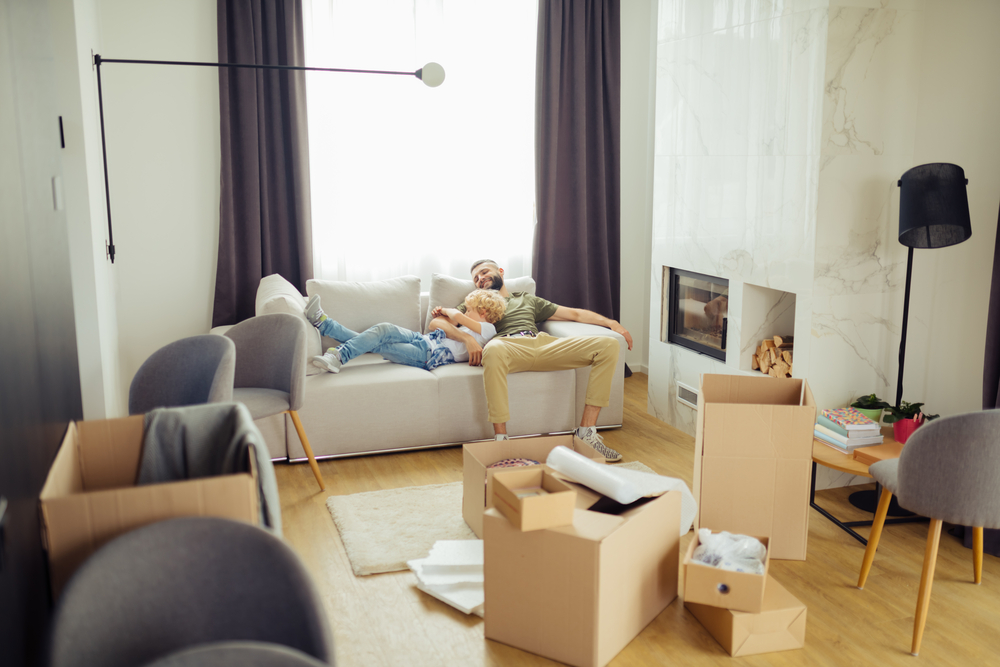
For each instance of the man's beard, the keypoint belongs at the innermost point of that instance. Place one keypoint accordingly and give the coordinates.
(496, 284)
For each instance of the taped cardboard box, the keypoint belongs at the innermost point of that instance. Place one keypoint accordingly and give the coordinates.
(532, 498)
(477, 489)
(740, 591)
(780, 625)
(90, 496)
(753, 459)
(579, 594)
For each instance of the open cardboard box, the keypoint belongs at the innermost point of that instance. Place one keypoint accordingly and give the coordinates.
(779, 626)
(532, 498)
(753, 459)
(580, 593)
(477, 490)
(90, 496)
(716, 587)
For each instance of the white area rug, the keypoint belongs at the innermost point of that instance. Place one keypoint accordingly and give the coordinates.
(381, 530)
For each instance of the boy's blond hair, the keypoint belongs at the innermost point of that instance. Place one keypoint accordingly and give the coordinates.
(488, 302)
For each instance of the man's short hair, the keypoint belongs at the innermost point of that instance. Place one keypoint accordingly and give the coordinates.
(482, 261)
(492, 305)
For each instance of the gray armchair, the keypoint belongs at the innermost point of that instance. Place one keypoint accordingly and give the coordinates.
(175, 584)
(949, 471)
(271, 370)
(238, 654)
(190, 371)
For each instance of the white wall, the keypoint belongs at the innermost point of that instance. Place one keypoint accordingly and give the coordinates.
(638, 54)
(75, 33)
(162, 127)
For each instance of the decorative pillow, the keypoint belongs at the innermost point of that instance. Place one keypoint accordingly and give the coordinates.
(360, 305)
(449, 292)
(277, 295)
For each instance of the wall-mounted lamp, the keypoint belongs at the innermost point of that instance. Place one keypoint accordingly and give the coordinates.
(432, 74)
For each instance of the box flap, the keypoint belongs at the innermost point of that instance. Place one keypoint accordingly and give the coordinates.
(110, 451)
(741, 389)
(64, 476)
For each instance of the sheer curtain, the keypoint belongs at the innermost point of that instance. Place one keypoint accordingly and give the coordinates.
(408, 179)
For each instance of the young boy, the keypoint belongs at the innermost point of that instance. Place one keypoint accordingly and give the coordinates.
(402, 346)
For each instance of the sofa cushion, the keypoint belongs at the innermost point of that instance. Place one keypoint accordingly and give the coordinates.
(449, 292)
(277, 295)
(359, 305)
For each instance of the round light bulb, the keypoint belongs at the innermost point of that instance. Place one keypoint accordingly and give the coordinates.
(431, 74)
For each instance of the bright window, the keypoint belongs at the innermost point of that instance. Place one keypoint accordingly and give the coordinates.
(407, 179)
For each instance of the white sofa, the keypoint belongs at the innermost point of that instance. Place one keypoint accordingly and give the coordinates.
(375, 406)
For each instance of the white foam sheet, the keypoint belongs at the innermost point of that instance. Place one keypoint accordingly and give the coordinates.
(623, 486)
(453, 573)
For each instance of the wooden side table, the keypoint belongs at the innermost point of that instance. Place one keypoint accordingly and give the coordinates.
(827, 456)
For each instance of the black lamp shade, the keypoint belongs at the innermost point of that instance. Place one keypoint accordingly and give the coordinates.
(934, 206)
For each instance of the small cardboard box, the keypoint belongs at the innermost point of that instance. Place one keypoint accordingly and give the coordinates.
(579, 594)
(90, 496)
(477, 490)
(532, 499)
(741, 591)
(780, 625)
(753, 459)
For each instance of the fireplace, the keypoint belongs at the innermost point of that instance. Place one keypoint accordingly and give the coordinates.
(697, 308)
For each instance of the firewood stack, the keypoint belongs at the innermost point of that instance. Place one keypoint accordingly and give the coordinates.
(774, 357)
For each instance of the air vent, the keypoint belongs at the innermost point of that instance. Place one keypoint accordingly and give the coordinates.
(687, 395)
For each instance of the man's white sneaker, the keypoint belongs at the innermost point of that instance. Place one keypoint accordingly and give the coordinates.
(329, 362)
(590, 436)
(500, 436)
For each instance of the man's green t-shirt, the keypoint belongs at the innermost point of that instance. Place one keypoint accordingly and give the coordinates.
(524, 312)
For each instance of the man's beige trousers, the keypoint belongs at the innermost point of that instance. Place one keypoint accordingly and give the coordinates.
(517, 354)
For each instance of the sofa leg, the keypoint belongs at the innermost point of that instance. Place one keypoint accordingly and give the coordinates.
(305, 445)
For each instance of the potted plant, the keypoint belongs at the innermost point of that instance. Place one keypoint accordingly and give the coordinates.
(905, 419)
(870, 406)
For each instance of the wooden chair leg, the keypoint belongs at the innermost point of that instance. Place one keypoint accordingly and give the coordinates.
(926, 581)
(977, 554)
(305, 445)
(873, 537)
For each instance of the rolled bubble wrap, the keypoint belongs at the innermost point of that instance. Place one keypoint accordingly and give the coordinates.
(623, 486)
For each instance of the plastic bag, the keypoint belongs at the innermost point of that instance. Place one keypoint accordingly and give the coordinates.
(726, 551)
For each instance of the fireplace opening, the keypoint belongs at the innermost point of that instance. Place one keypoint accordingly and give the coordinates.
(697, 308)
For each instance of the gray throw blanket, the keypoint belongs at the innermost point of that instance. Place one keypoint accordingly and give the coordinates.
(205, 441)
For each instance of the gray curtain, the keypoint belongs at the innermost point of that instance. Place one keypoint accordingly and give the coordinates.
(991, 379)
(577, 250)
(265, 224)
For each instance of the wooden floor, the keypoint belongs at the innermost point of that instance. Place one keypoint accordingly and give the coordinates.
(384, 620)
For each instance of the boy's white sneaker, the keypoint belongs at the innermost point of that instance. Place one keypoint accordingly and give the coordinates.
(590, 436)
(314, 313)
(329, 362)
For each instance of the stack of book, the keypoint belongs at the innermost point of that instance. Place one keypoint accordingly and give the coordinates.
(846, 429)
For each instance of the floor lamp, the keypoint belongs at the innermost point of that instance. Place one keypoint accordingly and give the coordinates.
(432, 74)
(933, 213)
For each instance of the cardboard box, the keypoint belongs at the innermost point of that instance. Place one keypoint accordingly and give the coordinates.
(579, 594)
(477, 492)
(90, 497)
(780, 625)
(753, 459)
(741, 591)
(549, 504)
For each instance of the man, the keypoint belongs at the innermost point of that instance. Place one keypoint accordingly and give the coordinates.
(518, 346)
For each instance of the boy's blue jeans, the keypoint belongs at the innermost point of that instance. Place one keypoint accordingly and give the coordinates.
(396, 344)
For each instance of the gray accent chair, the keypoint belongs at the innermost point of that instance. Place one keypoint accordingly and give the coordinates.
(179, 583)
(271, 371)
(238, 654)
(949, 471)
(189, 371)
